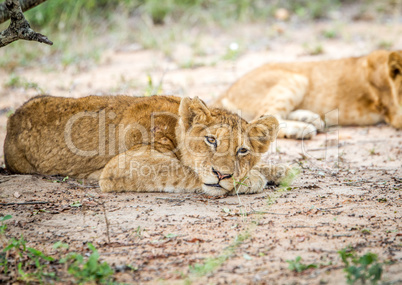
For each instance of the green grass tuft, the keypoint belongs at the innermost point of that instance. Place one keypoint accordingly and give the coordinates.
(16, 81)
(202, 269)
(297, 266)
(361, 268)
(291, 176)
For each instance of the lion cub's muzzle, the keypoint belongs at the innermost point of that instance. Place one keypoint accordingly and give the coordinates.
(220, 177)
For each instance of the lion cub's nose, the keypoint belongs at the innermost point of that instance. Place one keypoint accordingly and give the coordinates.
(220, 175)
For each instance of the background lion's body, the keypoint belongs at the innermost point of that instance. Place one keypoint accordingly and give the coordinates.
(349, 91)
(331, 85)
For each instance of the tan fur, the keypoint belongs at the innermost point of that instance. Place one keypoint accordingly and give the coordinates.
(141, 144)
(351, 91)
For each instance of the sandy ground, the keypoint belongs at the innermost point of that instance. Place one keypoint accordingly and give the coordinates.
(347, 194)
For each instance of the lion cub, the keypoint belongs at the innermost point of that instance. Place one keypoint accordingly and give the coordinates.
(142, 144)
(351, 91)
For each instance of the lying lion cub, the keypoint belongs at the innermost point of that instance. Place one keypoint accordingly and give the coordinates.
(352, 91)
(142, 144)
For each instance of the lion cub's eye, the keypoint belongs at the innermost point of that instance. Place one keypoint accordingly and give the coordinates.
(242, 150)
(211, 140)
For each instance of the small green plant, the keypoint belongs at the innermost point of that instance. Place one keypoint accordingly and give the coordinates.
(27, 258)
(19, 245)
(13, 81)
(284, 185)
(364, 268)
(237, 185)
(190, 64)
(3, 227)
(36, 212)
(312, 9)
(76, 204)
(65, 179)
(40, 261)
(201, 269)
(16, 81)
(152, 89)
(171, 235)
(3, 256)
(271, 200)
(385, 45)
(60, 244)
(330, 34)
(297, 266)
(226, 210)
(158, 10)
(3, 263)
(9, 113)
(315, 49)
(232, 53)
(138, 232)
(91, 270)
(290, 177)
(32, 265)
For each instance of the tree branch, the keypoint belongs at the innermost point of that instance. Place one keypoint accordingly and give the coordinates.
(19, 27)
(25, 5)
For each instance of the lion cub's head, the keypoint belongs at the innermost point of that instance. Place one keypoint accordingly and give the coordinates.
(385, 79)
(220, 146)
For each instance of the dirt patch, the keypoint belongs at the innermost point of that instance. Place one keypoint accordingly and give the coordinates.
(161, 235)
(348, 192)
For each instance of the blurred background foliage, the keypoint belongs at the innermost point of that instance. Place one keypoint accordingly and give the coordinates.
(54, 12)
(81, 29)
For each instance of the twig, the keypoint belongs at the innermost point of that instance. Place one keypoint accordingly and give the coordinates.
(325, 148)
(303, 227)
(115, 245)
(25, 203)
(342, 235)
(397, 179)
(115, 209)
(259, 212)
(73, 184)
(61, 180)
(19, 27)
(107, 223)
(331, 208)
(172, 199)
(7, 177)
(179, 203)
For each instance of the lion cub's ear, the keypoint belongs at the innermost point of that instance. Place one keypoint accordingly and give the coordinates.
(262, 131)
(395, 64)
(193, 111)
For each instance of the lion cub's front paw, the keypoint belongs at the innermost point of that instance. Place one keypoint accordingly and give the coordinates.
(309, 117)
(296, 130)
(275, 174)
(397, 121)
